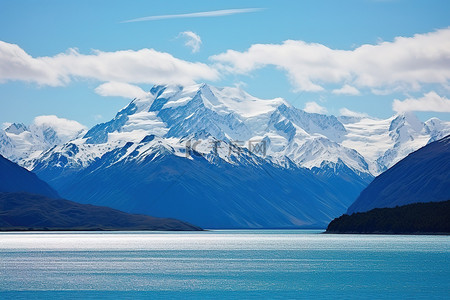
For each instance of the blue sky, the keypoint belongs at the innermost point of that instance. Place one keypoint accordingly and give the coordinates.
(50, 28)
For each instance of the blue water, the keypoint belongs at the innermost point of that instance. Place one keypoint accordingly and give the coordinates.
(222, 264)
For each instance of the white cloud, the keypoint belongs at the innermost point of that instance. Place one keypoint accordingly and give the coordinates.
(406, 63)
(429, 102)
(16, 64)
(64, 128)
(349, 113)
(142, 66)
(120, 89)
(313, 107)
(347, 90)
(203, 14)
(192, 40)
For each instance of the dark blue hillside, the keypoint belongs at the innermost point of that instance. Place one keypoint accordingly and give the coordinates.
(14, 178)
(423, 176)
(28, 203)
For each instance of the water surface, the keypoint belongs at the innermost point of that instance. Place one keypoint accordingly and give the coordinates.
(231, 264)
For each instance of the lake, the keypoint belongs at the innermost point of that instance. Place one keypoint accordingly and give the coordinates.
(236, 264)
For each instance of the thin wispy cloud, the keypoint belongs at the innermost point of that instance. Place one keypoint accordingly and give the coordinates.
(204, 14)
(192, 40)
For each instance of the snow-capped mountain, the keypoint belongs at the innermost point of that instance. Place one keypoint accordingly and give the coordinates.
(219, 157)
(385, 142)
(24, 144)
(180, 115)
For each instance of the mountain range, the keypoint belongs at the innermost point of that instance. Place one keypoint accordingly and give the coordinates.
(220, 158)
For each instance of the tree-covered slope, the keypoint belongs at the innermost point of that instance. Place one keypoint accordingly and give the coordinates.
(417, 218)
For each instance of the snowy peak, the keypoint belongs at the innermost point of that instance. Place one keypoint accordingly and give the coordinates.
(436, 129)
(311, 123)
(176, 111)
(22, 144)
(230, 115)
(385, 142)
(405, 126)
(321, 151)
(221, 100)
(16, 128)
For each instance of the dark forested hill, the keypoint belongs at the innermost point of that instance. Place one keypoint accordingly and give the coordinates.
(417, 218)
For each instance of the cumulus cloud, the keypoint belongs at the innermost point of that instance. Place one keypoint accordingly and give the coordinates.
(403, 64)
(192, 40)
(347, 90)
(142, 66)
(349, 113)
(16, 64)
(313, 107)
(64, 128)
(429, 102)
(203, 14)
(120, 89)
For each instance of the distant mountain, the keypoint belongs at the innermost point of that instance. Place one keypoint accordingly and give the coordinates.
(22, 211)
(383, 143)
(22, 144)
(423, 176)
(220, 157)
(14, 178)
(417, 218)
